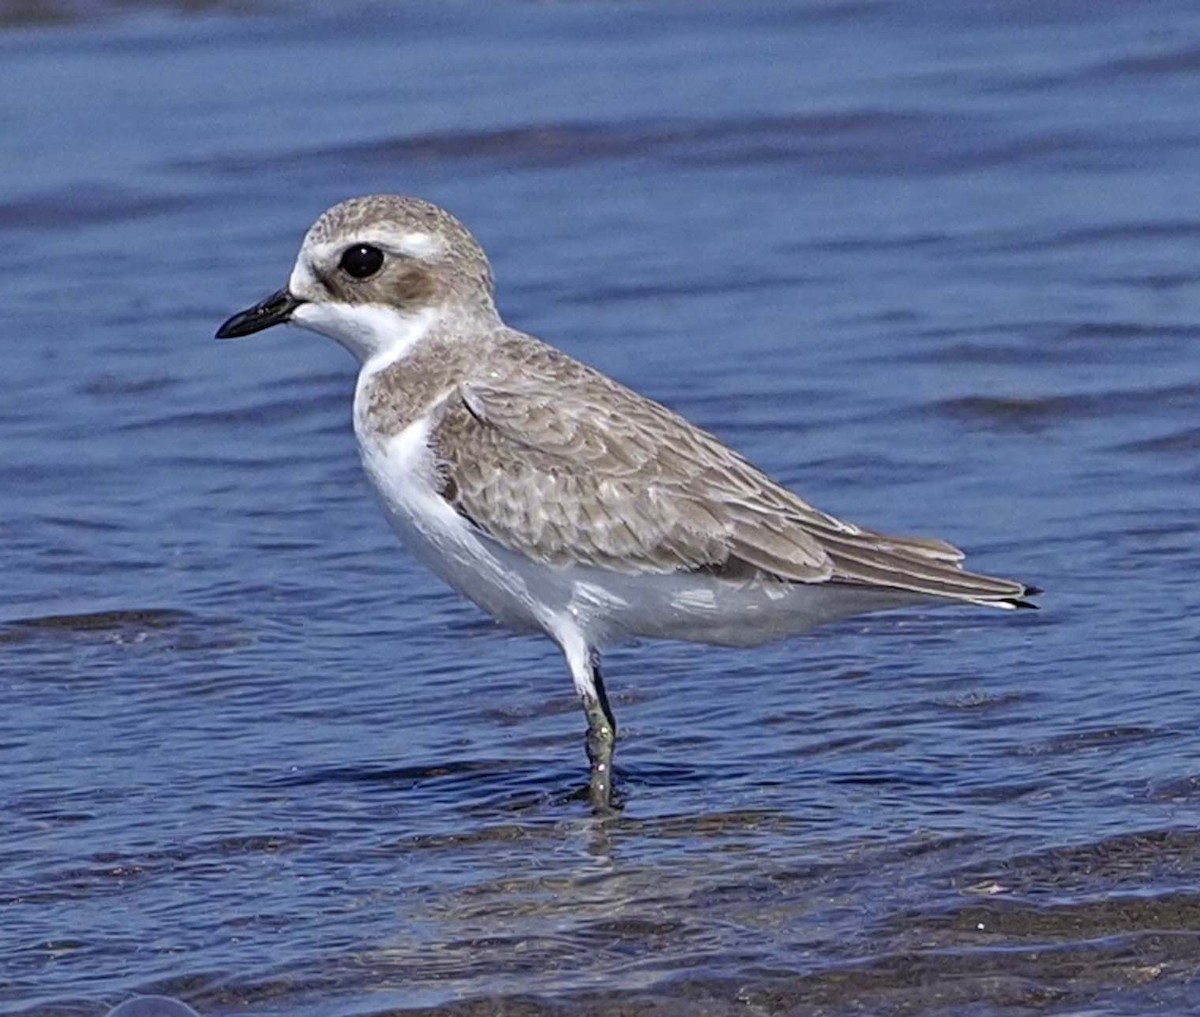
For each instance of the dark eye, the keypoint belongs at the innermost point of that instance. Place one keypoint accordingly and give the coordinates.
(361, 261)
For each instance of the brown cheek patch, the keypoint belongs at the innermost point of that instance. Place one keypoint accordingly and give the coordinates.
(401, 286)
(411, 286)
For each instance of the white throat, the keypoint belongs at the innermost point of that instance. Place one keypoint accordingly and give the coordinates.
(369, 331)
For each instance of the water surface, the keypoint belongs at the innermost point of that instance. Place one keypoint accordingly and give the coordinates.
(933, 265)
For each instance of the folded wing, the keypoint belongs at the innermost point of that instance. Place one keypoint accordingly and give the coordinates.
(559, 462)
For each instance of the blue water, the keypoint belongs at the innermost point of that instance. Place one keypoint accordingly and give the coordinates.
(933, 265)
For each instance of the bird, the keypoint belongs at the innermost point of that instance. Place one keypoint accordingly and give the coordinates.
(557, 499)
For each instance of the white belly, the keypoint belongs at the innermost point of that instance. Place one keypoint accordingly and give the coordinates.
(401, 470)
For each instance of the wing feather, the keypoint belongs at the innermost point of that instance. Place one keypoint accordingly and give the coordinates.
(559, 462)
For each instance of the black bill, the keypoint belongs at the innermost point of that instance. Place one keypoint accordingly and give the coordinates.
(275, 310)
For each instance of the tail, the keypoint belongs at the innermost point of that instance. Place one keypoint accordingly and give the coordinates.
(920, 565)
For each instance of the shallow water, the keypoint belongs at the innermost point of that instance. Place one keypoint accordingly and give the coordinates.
(934, 265)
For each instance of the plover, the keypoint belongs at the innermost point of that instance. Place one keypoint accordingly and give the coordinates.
(557, 499)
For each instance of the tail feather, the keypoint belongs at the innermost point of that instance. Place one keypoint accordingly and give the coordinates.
(925, 566)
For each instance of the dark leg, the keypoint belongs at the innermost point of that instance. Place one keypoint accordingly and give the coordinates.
(601, 738)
